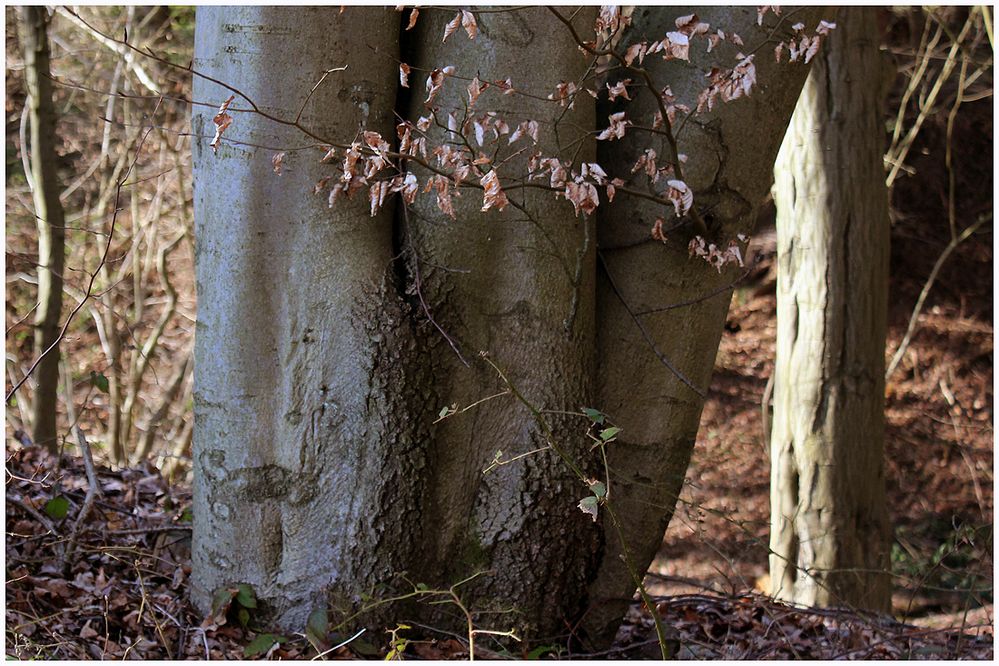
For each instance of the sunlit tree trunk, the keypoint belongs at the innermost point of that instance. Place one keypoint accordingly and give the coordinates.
(50, 220)
(306, 476)
(830, 534)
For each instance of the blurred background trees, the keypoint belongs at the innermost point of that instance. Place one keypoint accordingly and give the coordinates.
(49, 219)
(126, 191)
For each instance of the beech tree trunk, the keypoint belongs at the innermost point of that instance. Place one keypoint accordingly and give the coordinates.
(830, 537)
(659, 413)
(50, 221)
(328, 342)
(306, 473)
(518, 285)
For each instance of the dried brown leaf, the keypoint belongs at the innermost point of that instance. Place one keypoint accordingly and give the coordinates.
(493, 195)
(468, 23)
(277, 161)
(222, 121)
(619, 89)
(413, 14)
(451, 26)
(475, 89)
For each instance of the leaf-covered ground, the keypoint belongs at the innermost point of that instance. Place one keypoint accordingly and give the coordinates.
(123, 595)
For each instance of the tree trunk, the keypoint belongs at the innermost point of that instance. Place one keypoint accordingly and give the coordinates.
(50, 219)
(518, 285)
(306, 473)
(830, 534)
(728, 149)
(328, 341)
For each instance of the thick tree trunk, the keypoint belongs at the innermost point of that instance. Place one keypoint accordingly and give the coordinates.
(50, 219)
(830, 535)
(518, 285)
(728, 150)
(324, 347)
(306, 476)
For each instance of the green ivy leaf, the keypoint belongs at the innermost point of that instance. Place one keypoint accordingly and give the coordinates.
(422, 587)
(187, 516)
(607, 434)
(57, 507)
(364, 648)
(243, 616)
(541, 651)
(245, 597)
(589, 505)
(594, 415)
(261, 644)
(99, 381)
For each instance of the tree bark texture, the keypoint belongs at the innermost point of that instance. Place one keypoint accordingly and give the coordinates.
(658, 412)
(830, 537)
(50, 221)
(518, 285)
(306, 474)
(321, 361)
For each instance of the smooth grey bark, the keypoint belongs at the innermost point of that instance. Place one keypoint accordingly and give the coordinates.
(317, 373)
(305, 476)
(830, 536)
(50, 220)
(730, 152)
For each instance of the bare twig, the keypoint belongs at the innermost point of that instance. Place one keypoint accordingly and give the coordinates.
(34, 513)
(897, 155)
(913, 319)
(698, 299)
(93, 276)
(337, 647)
(448, 412)
(22, 319)
(93, 483)
(305, 103)
(152, 529)
(645, 334)
(114, 45)
(418, 285)
(169, 397)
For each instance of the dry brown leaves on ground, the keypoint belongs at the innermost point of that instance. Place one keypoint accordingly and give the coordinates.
(124, 594)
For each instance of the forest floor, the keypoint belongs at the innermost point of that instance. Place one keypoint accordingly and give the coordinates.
(122, 594)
